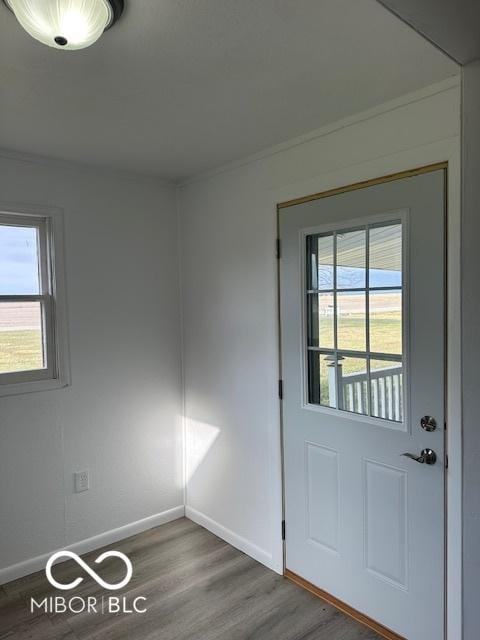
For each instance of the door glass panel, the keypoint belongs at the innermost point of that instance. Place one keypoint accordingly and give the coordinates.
(354, 330)
(351, 259)
(385, 256)
(386, 389)
(320, 272)
(353, 384)
(351, 327)
(386, 321)
(322, 385)
(320, 326)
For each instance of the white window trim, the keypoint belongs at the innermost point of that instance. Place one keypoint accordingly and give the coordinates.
(53, 295)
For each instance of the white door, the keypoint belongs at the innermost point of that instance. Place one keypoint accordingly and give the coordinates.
(362, 341)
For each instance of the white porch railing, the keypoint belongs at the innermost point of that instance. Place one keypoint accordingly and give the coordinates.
(386, 391)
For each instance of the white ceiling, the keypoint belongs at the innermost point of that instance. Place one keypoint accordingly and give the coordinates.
(177, 87)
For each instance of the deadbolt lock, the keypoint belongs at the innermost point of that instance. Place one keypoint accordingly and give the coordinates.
(428, 423)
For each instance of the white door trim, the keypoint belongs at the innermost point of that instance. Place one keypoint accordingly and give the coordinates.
(447, 150)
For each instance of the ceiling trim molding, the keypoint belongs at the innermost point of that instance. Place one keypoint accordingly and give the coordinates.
(72, 165)
(84, 167)
(391, 105)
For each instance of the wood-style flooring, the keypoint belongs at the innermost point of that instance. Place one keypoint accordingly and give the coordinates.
(197, 587)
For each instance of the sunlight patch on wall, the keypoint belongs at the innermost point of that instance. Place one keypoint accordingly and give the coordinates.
(200, 438)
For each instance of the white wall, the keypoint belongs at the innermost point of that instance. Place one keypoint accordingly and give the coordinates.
(229, 287)
(471, 350)
(121, 416)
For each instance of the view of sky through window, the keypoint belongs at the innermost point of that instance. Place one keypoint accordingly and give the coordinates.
(18, 261)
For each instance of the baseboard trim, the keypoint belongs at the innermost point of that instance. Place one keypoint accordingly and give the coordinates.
(38, 563)
(382, 631)
(231, 537)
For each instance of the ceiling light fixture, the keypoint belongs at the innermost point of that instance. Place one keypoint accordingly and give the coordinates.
(66, 24)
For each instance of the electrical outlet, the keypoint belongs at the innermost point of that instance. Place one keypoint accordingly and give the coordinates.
(82, 481)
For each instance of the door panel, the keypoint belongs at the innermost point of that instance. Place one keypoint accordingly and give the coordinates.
(385, 491)
(362, 317)
(322, 495)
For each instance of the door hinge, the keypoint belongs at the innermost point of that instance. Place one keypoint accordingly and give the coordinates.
(446, 461)
(280, 389)
(283, 529)
(278, 252)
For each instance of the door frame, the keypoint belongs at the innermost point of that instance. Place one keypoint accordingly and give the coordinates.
(449, 162)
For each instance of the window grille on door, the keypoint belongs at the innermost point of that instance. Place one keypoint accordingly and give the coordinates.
(354, 312)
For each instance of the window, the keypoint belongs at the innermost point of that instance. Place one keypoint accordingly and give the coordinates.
(32, 354)
(354, 302)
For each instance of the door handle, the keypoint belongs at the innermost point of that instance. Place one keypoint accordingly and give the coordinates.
(427, 456)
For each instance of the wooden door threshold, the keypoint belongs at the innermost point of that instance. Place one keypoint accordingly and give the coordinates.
(382, 631)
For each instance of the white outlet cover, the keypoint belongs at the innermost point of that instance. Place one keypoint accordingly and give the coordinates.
(82, 481)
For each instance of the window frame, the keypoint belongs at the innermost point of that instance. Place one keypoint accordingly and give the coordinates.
(398, 215)
(56, 374)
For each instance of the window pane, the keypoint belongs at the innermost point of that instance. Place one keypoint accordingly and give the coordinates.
(320, 256)
(385, 256)
(320, 324)
(20, 336)
(353, 384)
(351, 331)
(386, 389)
(351, 259)
(337, 320)
(18, 260)
(386, 321)
(321, 379)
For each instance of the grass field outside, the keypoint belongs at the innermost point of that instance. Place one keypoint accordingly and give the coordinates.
(21, 340)
(385, 333)
(21, 346)
(385, 322)
(20, 350)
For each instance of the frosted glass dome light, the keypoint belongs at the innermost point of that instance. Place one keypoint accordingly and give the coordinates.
(66, 24)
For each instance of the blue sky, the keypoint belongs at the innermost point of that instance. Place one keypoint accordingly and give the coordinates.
(355, 277)
(19, 266)
(18, 260)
